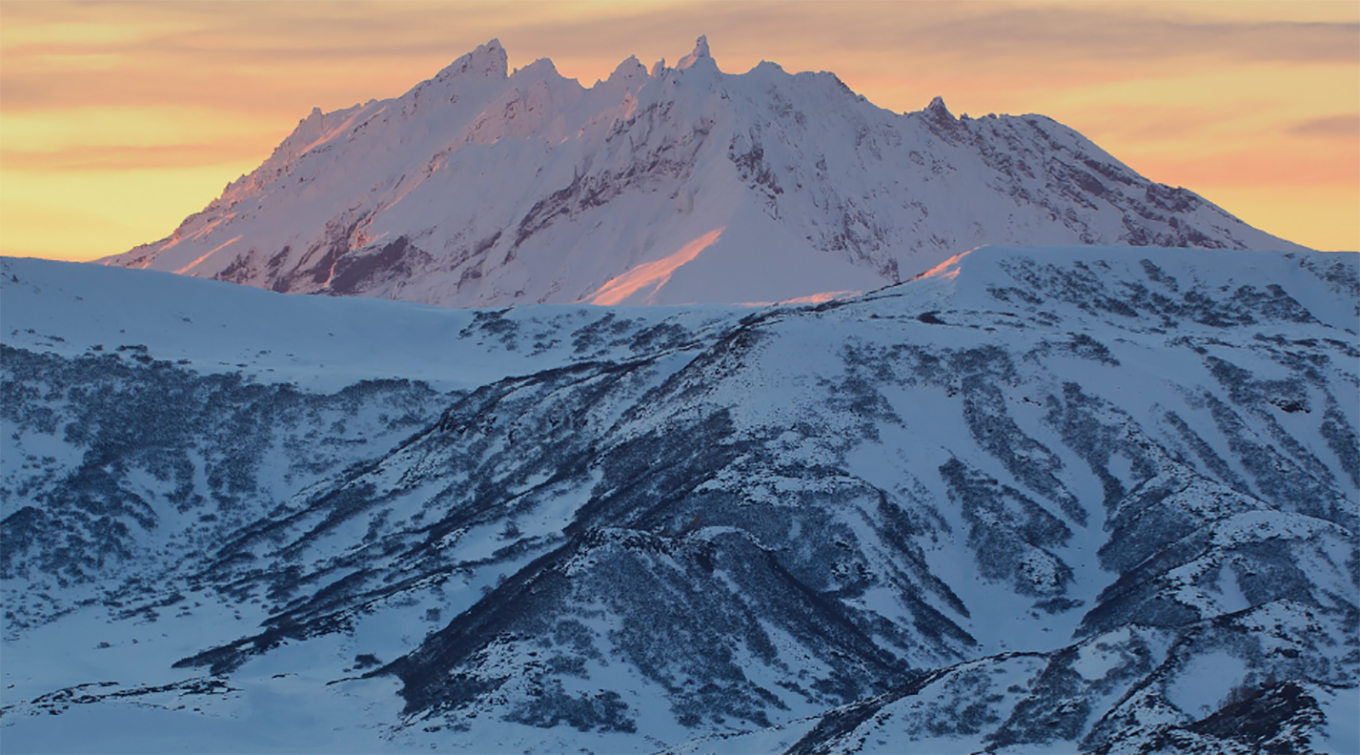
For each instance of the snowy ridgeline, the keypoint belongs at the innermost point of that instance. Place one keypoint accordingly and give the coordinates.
(1038, 500)
(485, 188)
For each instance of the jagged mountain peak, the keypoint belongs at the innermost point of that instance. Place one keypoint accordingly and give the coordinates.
(629, 69)
(482, 188)
(488, 60)
(699, 53)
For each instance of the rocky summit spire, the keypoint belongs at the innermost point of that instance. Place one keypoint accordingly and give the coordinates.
(936, 112)
(700, 53)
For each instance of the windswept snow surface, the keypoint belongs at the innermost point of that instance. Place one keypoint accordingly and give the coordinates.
(320, 343)
(481, 187)
(1093, 499)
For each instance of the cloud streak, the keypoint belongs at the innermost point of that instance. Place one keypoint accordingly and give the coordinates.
(1341, 127)
(1091, 35)
(200, 39)
(128, 157)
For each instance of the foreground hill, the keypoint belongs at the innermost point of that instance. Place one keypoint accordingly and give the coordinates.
(1060, 499)
(483, 188)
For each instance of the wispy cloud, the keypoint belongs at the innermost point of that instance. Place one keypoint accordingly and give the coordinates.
(182, 47)
(978, 31)
(1253, 168)
(127, 157)
(1345, 127)
(1123, 32)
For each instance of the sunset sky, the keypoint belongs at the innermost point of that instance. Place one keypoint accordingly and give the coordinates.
(119, 119)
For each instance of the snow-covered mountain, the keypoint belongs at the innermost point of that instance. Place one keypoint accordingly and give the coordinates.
(678, 185)
(1064, 499)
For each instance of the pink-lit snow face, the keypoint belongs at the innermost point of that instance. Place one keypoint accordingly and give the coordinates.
(651, 276)
(947, 270)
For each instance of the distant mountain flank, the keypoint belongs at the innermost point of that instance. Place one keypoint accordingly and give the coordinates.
(1055, 500)
(481, 187)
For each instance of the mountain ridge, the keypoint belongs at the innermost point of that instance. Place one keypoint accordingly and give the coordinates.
(481, 187)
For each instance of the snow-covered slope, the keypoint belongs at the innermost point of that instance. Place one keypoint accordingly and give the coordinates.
(76, 310)
(1057, 499)
(678, 185)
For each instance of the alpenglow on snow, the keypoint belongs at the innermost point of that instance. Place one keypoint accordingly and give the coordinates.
(678, 185)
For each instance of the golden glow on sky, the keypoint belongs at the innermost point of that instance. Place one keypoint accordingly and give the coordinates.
(119, 119)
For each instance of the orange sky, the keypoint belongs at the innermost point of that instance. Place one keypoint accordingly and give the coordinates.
(119, 119)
